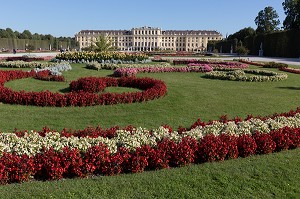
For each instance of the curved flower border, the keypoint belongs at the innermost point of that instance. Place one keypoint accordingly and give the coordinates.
(51, 155)
(239, 75)
(152, 89)
(129, 72)
(290, 70)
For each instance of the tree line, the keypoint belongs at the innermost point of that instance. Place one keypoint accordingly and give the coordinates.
(251, 40)
(26, 40)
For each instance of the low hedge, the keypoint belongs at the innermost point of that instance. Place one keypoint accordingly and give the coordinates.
(275, 65)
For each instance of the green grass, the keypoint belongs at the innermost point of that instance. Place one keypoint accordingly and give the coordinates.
(265, 176)
(189, 97)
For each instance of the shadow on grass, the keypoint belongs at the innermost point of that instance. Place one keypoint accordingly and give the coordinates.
(290, 88)
(65, 90)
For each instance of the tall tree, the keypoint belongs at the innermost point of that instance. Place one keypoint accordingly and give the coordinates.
(4, 33)
(17, 34)
(26, 34)
(11, 33)
(292, 11)
(36, 36)
(267, 20)
(242, 34)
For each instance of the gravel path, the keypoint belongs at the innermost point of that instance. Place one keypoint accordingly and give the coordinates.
(290, 61)
(35, 54)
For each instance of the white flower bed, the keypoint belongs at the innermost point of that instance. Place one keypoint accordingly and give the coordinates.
(240, 75)
(56, 69)
(32, 143)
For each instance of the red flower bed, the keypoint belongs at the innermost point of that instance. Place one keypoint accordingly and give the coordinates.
(290, 70)
(46, 76)
(152, 89)
(52, 165)
(251, 63)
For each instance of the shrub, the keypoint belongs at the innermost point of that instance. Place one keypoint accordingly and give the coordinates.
(275, 65)
(242, 50)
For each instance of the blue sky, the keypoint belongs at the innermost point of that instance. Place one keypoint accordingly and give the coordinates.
(65, 18)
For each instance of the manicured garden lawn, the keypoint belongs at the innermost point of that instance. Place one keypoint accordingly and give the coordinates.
(189, 97)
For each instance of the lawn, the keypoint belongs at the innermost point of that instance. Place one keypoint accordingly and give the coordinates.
(189, 97)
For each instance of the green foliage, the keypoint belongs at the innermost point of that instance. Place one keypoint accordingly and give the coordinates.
(292, 11)
(242, 50)
(232, 41)
(4, 33)
(242, 34)
(208, 99)
(215, 50)
(26, 34)
(275, 65)
(30, 47)
(10, 39)
(102, 44)
(277, 44)
(267, 20)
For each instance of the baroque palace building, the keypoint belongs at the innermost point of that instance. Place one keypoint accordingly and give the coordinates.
(150, 39)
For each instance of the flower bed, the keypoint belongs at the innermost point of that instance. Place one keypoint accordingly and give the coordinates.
(98, 66)
(99, 56)
(46, 75)
(51, 155)
(23, 64)
(240, 75)
(216, 62)
(251, 62)
(275, 65)
(56, 69)
(221, 65)
(25, 58)
(290, 70)
(129, 72)
(152, 89)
